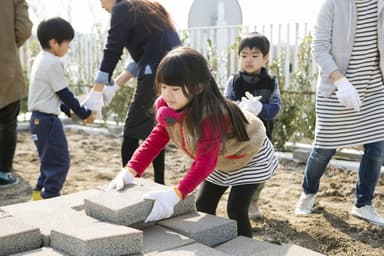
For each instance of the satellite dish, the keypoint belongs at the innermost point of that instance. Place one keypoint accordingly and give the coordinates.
(214, 13)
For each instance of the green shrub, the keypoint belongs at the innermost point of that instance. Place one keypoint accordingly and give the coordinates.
(296, 120)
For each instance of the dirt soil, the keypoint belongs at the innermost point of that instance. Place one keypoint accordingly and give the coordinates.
(331, 230)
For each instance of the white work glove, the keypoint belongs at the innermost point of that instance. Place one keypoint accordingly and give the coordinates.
(94, 102)
(164, 203)
(347, 94)
(109, 92)
(251, 104)
(124, 177)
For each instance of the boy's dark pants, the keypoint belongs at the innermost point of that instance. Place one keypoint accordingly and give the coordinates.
(48, 134)
(8, 133)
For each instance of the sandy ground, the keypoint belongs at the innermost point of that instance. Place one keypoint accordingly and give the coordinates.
(330, 230)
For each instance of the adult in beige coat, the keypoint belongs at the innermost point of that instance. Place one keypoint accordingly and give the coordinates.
(15, 29)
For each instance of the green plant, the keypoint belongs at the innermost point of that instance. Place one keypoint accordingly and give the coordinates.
(212, 57)
(31, 48)
(275, 68)
(296, 120)
(184, 36)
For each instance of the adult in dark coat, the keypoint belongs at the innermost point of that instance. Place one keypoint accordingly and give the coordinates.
(145, 29)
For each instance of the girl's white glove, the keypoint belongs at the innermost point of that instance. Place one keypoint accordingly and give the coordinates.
(109, 92)
(347, 94)
(124, 177)
(164, 204)
(251, 103)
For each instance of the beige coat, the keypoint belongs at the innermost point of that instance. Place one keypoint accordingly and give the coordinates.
(15, 29)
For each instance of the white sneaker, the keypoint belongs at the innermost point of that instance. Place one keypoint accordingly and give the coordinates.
(305, 204)
(254, 211)
(369, 214)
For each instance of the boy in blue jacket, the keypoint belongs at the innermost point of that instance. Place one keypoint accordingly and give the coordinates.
(255, 90)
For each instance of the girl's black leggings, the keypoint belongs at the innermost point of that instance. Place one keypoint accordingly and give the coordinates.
(129, 146)
(237, 205)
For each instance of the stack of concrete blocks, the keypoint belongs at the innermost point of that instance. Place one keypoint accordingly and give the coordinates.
(100, 223)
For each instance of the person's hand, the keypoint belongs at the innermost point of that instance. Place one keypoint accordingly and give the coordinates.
(109, 92)
(347, 94)
(251, 103)
(164, 203)
(91, 117)
(124, 177)
(94, 101)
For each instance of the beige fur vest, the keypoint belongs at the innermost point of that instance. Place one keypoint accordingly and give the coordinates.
(233, 154)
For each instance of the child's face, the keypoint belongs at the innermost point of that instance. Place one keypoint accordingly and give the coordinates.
(252, 60)
(174, 96)
(57, 49)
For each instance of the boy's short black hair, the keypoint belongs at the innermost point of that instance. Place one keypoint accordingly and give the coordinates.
(254, 40)
(55, 28)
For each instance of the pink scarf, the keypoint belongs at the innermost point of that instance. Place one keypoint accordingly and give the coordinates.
(165, 115)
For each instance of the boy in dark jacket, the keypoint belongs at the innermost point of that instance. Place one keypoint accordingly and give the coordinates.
(255, 90)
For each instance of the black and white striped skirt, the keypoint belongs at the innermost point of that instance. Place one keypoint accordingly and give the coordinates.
(258, 170)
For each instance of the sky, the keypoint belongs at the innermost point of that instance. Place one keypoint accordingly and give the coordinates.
(83, 14)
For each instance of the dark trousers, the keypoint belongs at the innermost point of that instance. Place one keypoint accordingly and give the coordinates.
(237, 205)
(129, 146)
(139, 123)
(8, 135)
(48, 135)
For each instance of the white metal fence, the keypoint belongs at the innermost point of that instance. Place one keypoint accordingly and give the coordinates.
(215, 43)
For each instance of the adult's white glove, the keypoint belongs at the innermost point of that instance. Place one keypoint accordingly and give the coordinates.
(109, 92)
(164, 204)
(94, 102)
(124, 177)
(347, 94)
(251, 103)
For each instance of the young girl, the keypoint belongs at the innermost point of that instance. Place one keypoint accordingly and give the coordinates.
(229, 147)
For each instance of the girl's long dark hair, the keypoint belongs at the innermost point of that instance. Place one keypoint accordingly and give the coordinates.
(188, 69)
(152, 14)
